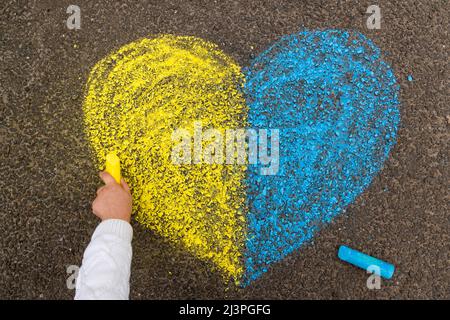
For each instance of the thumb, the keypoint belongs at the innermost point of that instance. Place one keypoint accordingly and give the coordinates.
(107, 178)
(125, 185)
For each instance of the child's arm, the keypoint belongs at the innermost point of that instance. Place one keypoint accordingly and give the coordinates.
(105, 271)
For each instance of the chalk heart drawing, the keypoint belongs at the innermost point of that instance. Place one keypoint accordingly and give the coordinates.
(333, 98)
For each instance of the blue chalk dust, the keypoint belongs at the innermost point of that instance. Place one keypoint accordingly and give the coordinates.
(335, 102)
(410, 78)
(364, 261)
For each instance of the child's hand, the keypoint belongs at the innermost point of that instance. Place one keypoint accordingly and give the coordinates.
(113, 200)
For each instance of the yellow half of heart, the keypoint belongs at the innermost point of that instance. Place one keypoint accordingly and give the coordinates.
(135, 98)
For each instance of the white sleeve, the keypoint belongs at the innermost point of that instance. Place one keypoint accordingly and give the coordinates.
(105, 270)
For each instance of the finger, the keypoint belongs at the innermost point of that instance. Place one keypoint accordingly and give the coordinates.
(100, 189)
(107, 178)
(94, 207)
(125, 185)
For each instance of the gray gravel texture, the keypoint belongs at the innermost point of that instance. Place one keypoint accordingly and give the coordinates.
(47, 178)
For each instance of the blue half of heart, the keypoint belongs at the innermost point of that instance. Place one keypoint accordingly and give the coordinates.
(335, 102)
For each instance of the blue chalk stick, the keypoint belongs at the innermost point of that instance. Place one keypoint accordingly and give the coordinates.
(359, 259)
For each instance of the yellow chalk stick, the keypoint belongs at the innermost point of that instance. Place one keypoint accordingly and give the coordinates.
(113, 166)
